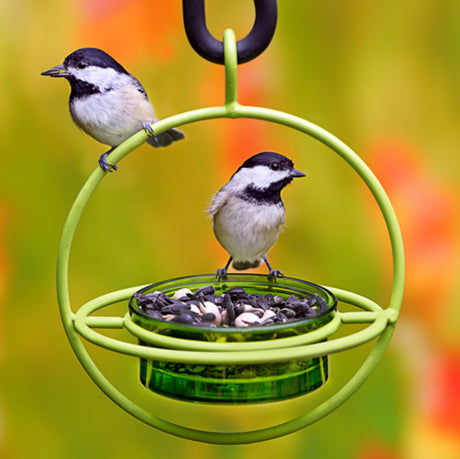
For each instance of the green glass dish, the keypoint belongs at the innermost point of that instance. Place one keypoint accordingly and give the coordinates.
(246, 383)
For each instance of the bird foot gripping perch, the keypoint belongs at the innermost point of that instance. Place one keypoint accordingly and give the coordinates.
(104, 164)
(149, 130)
(273, 274)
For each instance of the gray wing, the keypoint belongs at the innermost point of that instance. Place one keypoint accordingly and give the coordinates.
(139, 86)
(219, 200)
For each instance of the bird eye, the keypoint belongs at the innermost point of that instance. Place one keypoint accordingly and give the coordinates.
(275, 166)
(82, 65)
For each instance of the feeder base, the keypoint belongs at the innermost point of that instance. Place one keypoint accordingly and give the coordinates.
(236, 383)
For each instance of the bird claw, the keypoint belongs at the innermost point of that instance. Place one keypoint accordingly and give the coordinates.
(274, 274)
(149, 130)
(221, 274)
(106, 166)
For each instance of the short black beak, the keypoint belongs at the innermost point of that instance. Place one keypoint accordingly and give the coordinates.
(296, 173)
(58, 71)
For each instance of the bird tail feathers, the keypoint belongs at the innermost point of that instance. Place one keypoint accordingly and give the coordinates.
(165, 138)
(241, 265)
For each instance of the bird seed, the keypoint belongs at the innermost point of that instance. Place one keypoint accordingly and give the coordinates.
(233, 308)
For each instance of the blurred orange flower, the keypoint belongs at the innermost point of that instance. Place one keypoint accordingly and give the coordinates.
(444, 394)
(131, 28)
(427, 210)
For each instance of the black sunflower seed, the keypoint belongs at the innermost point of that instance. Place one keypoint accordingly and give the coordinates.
(184, 319)
(206, 290)
(227, 304)
(208, 317)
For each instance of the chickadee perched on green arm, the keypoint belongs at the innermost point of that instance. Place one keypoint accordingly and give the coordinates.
(107, 102)
(248, 211)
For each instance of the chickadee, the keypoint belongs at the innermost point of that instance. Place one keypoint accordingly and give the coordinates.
(248, 211)
(107, 102)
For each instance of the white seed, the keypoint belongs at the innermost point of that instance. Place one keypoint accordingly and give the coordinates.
(245, 319)
(267, 314)
(257, 311)
(194, 308)
(182, 292)
(208, 307)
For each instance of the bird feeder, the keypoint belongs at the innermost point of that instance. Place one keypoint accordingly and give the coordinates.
(265, 364)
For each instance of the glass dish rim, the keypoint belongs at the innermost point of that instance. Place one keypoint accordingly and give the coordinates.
(264, 329)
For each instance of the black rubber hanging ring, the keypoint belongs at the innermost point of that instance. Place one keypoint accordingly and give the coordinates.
(212, 49)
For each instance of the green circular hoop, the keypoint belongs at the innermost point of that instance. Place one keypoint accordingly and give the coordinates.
(382, 321)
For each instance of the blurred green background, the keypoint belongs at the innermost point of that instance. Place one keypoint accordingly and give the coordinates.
(383, 76)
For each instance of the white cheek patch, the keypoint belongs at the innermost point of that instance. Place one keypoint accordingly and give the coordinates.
(259, 176)
(103, 78)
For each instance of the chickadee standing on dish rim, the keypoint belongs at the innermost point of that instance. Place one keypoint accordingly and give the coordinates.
(107, 102)
(248, 211)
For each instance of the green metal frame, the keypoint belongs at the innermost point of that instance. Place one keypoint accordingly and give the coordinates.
(380, 322)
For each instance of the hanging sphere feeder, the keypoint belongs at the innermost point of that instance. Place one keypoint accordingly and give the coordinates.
(306, 345)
